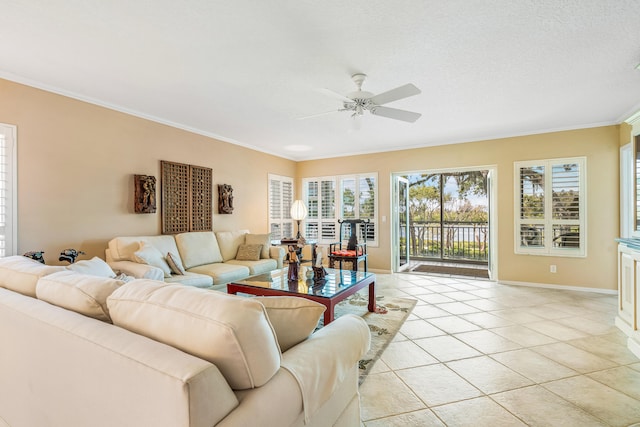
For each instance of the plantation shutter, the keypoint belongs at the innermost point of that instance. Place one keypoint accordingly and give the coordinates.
(551, 213)
(280, 201)
(348, 194)
(532, 206)
(320, 198)
(344, 197)
(313, 209)
(8, 194)
(565, 206)
(367, 205)
(328, 220)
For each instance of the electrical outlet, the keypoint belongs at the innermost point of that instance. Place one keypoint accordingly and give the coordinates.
(552, 268)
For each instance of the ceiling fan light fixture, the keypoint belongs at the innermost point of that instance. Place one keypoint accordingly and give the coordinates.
(360, 101)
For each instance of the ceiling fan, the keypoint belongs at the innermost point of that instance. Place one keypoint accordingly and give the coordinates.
(360, 101)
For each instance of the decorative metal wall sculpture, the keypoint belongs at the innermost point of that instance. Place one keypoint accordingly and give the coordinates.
(225, 199)
(35, 255)
(145, 193)
(70, 255)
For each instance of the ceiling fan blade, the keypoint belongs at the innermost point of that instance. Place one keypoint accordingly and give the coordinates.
(318, 115)
(394, 113)
(335, 95)
(395, 94)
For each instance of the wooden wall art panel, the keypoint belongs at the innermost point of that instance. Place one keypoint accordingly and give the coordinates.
(201, 199)
(186, 198)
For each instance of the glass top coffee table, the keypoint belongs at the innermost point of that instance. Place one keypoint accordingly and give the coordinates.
(336, 287)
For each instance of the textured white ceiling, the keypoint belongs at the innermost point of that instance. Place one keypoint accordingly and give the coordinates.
(245, 71)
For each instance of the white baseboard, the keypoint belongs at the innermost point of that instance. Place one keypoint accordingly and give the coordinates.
(634, 346)
(377, 271)
(623, 326)
(565, 287)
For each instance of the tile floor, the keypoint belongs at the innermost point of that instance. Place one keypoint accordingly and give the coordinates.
(478, 353)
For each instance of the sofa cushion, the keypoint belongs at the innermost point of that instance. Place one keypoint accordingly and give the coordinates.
(255, 267)
(293, 318)
(232, 332)
(222, 273)
(229, 242)
(175, 263)
(191, 279)
(20, 274)
(198, 248)
(94, 267)
(83, 293)
(249, 252)
(259, 239)
(148, 254)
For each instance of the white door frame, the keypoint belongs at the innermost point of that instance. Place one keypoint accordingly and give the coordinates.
(493, 212)
(396, 180)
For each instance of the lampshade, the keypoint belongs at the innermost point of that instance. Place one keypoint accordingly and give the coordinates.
(298, 210)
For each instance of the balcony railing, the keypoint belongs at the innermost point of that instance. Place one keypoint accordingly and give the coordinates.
(453, 240)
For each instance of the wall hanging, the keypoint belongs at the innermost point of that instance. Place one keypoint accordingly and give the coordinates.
(225, 199)
(187, 200)
(144, 193)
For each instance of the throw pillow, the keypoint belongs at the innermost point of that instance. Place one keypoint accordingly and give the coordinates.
(293, 318)
(260, 239)
(229, 242)
(175, 263)
(249, 252)
(149, 255)
(93, 267)
(230, 331)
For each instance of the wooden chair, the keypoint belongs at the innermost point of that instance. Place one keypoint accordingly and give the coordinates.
(351, 251)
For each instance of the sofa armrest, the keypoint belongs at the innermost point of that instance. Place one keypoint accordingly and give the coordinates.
(277, 253)
(137, 270)
(317, 364)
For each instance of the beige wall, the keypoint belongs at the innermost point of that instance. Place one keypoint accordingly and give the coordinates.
(599, 145)
(625, 133)
(76, 163)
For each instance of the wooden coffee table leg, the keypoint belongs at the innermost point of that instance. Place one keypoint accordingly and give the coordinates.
(328, 314)
(372, 297)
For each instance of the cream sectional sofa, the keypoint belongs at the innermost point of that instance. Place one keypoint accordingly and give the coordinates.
(208, 259)
(87, 350)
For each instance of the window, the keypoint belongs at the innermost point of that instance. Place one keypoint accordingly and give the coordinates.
(551, 207)
(8, 192)
(343, 197)
(320, 198)
(280, 201)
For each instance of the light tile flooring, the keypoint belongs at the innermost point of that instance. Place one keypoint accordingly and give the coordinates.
(478, 353)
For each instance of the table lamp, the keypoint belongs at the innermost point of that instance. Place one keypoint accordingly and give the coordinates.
(298, 212)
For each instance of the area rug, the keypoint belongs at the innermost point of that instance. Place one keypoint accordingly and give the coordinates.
(455, 271)
(384, 324)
